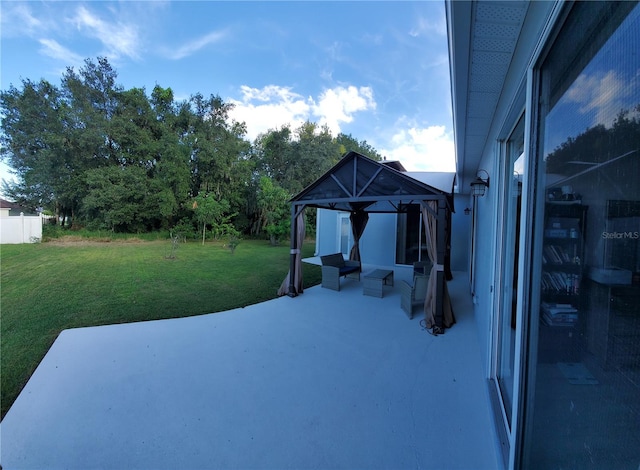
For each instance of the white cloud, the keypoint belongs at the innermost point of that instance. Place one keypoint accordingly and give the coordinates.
(601, 95)
(55, 50)
(425, 26)
(268, 108)
(120, 39)
(194, 46)
(17, 20)
(271, 107)
(422, 149)
(418, 148)
(339, 104)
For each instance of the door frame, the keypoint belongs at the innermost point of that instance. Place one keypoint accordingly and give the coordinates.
(505, 420)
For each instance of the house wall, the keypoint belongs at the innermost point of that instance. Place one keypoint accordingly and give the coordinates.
(460, 226)
(377, 246)
(21, 229)
(536, 391)
(483, 280)
(510, 106)
(327, 232)
(378, 243)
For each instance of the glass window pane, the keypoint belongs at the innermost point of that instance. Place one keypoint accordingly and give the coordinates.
(586, 410)
(345, 234)
(411, 241)
(506, 337)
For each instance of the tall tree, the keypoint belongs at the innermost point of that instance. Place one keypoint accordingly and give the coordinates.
(210, 211)
(134, 130)
(218, 151)
(273, 203)
(92, 97)
(273, 153)
(348, 143)
(314, 152)
(120, 159)
(171, 171)
(34, 143)
(118, 199)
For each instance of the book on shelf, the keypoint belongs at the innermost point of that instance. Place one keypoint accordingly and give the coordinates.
(559, 321)
(559, 314)
(560, 282)
(557, 254)
(558, 308)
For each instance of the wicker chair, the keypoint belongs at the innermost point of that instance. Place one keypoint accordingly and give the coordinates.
(422, 267)
(334, 267)
(412, 295)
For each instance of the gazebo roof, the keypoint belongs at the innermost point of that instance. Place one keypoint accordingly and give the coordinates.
(357, 182)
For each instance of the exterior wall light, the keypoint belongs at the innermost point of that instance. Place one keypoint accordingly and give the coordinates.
(517, 188)
(467, 211)
(479, 186)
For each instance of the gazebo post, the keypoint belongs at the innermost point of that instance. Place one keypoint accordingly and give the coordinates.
(292, 256)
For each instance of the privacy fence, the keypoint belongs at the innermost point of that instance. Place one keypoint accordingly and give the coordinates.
(20, 229)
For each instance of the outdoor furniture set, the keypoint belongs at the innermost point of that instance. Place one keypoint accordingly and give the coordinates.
(334, 267)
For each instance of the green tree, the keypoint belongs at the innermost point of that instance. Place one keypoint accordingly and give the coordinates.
(314, 152)
(273, 153)
(294, 159)
(348, 143)
(172, 165)
(273, 203)
(105, 156)
(118, 199)
(210, 211)
(92, 97)
(134, 130)
(34, 144)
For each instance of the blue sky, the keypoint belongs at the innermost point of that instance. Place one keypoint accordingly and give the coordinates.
(376, 70)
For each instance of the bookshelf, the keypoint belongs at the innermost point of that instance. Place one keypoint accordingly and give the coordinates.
(562, 272)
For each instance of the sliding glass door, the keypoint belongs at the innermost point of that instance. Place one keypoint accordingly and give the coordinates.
(506, 298)
(345, 236)
(583, 380)
(411, 243)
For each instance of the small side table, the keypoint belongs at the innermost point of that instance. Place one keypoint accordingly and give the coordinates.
(374, 282)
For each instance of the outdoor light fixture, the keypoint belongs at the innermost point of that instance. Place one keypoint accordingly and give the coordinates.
(517, 188)
(478, 185)
(467, 211)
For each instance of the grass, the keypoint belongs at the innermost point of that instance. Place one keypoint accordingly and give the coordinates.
(52, 286)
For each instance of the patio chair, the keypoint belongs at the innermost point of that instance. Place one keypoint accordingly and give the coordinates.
(422, 267)
(412, 295)
(334, 267)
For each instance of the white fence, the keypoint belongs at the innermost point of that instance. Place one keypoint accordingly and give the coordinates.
(20, 229)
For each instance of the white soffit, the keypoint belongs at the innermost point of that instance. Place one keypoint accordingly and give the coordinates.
(495, 28)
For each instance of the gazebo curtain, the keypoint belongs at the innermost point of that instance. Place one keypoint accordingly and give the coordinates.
(429, 215)
(359, 221)
(296, 251)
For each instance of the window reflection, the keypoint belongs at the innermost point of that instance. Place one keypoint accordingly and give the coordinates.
(587, 397)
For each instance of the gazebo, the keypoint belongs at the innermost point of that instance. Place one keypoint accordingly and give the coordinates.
(361, 186)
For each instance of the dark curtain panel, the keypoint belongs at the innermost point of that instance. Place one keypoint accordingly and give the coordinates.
(296, 251)
(359, 221)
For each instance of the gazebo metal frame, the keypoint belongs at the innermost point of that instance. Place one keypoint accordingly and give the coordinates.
(360, 185)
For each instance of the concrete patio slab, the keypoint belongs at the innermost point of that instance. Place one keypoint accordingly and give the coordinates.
(324, 380)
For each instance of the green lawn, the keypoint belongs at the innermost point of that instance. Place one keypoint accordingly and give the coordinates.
(48, 287)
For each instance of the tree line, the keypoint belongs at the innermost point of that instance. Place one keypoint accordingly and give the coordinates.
(103, 157)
